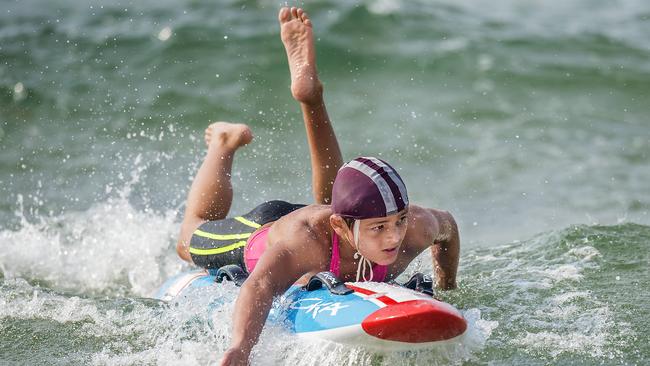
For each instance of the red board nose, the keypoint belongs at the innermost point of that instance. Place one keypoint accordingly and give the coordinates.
(416, 321)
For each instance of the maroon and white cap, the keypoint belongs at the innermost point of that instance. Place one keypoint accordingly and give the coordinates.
(368, 187)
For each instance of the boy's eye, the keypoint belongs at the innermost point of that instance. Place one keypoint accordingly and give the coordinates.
(378, 228)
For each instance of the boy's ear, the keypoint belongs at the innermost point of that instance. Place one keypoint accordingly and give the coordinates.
(339, 225)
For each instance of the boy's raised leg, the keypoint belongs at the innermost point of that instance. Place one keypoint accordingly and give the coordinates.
(306, 88)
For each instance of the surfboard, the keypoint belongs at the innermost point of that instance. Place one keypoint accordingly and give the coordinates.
(369, 314)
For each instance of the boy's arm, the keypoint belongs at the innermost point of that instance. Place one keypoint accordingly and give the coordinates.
(282, 264)
(445, 250)
(254, 303)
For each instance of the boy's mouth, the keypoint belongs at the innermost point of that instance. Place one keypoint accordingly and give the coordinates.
(391, 250)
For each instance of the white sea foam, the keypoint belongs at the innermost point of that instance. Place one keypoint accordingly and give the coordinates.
(24, 301)
(563, 272)
(561, 299)
(562, 318)
(112, 246)
(485, 258)
(585, 253)
(384, 6)
(573, 330)
(182, 332)
(131, 331)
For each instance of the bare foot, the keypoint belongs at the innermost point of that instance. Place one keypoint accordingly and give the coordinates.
(296, 34)
(228, 135)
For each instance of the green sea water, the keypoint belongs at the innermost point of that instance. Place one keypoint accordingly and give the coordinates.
(528, 120)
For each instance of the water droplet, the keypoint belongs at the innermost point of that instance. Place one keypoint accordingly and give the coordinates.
(485, 62)
(165, 33)
(19, 92)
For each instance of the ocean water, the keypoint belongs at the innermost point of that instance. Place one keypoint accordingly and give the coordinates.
(528, 120)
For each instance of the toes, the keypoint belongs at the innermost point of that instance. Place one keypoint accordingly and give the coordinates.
(284, 15)
(207, 136)
(287, 14)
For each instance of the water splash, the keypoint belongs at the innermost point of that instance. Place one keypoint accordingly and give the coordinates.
(110, 248)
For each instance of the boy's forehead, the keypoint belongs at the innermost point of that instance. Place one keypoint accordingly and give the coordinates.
(395, 216)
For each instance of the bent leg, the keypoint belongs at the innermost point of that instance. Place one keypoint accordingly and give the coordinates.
(210, 196)
(306, 88)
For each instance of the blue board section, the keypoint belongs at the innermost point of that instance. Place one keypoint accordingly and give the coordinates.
(298, 309)
(204, 281)
(309, 311)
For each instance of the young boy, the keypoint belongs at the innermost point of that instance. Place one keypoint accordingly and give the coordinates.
(362, 226)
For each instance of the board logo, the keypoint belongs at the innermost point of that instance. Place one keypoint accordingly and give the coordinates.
(315, 306)
(330, 278)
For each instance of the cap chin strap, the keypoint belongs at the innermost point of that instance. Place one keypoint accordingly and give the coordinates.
(364, 263)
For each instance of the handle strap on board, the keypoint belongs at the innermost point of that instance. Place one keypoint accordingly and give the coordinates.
(421, 283)
(333, 284)
(231, 272)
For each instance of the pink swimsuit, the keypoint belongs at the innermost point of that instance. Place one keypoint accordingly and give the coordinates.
(255, 248)
(257, 244)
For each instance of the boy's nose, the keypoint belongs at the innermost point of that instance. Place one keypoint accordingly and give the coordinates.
(394, 236)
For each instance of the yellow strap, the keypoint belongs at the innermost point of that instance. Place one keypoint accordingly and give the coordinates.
(221, 236)
(248, 222)
(227, 248)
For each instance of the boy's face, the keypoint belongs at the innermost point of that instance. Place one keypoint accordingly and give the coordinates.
(380, 238)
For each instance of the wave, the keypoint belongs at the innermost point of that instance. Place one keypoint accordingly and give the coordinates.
(557, 296)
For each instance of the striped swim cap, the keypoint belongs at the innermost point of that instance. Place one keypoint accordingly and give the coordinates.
(368, 187)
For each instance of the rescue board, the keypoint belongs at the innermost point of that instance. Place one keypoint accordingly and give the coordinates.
(369, 314)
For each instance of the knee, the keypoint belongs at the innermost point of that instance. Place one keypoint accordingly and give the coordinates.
(183, 250)
(187, 230)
